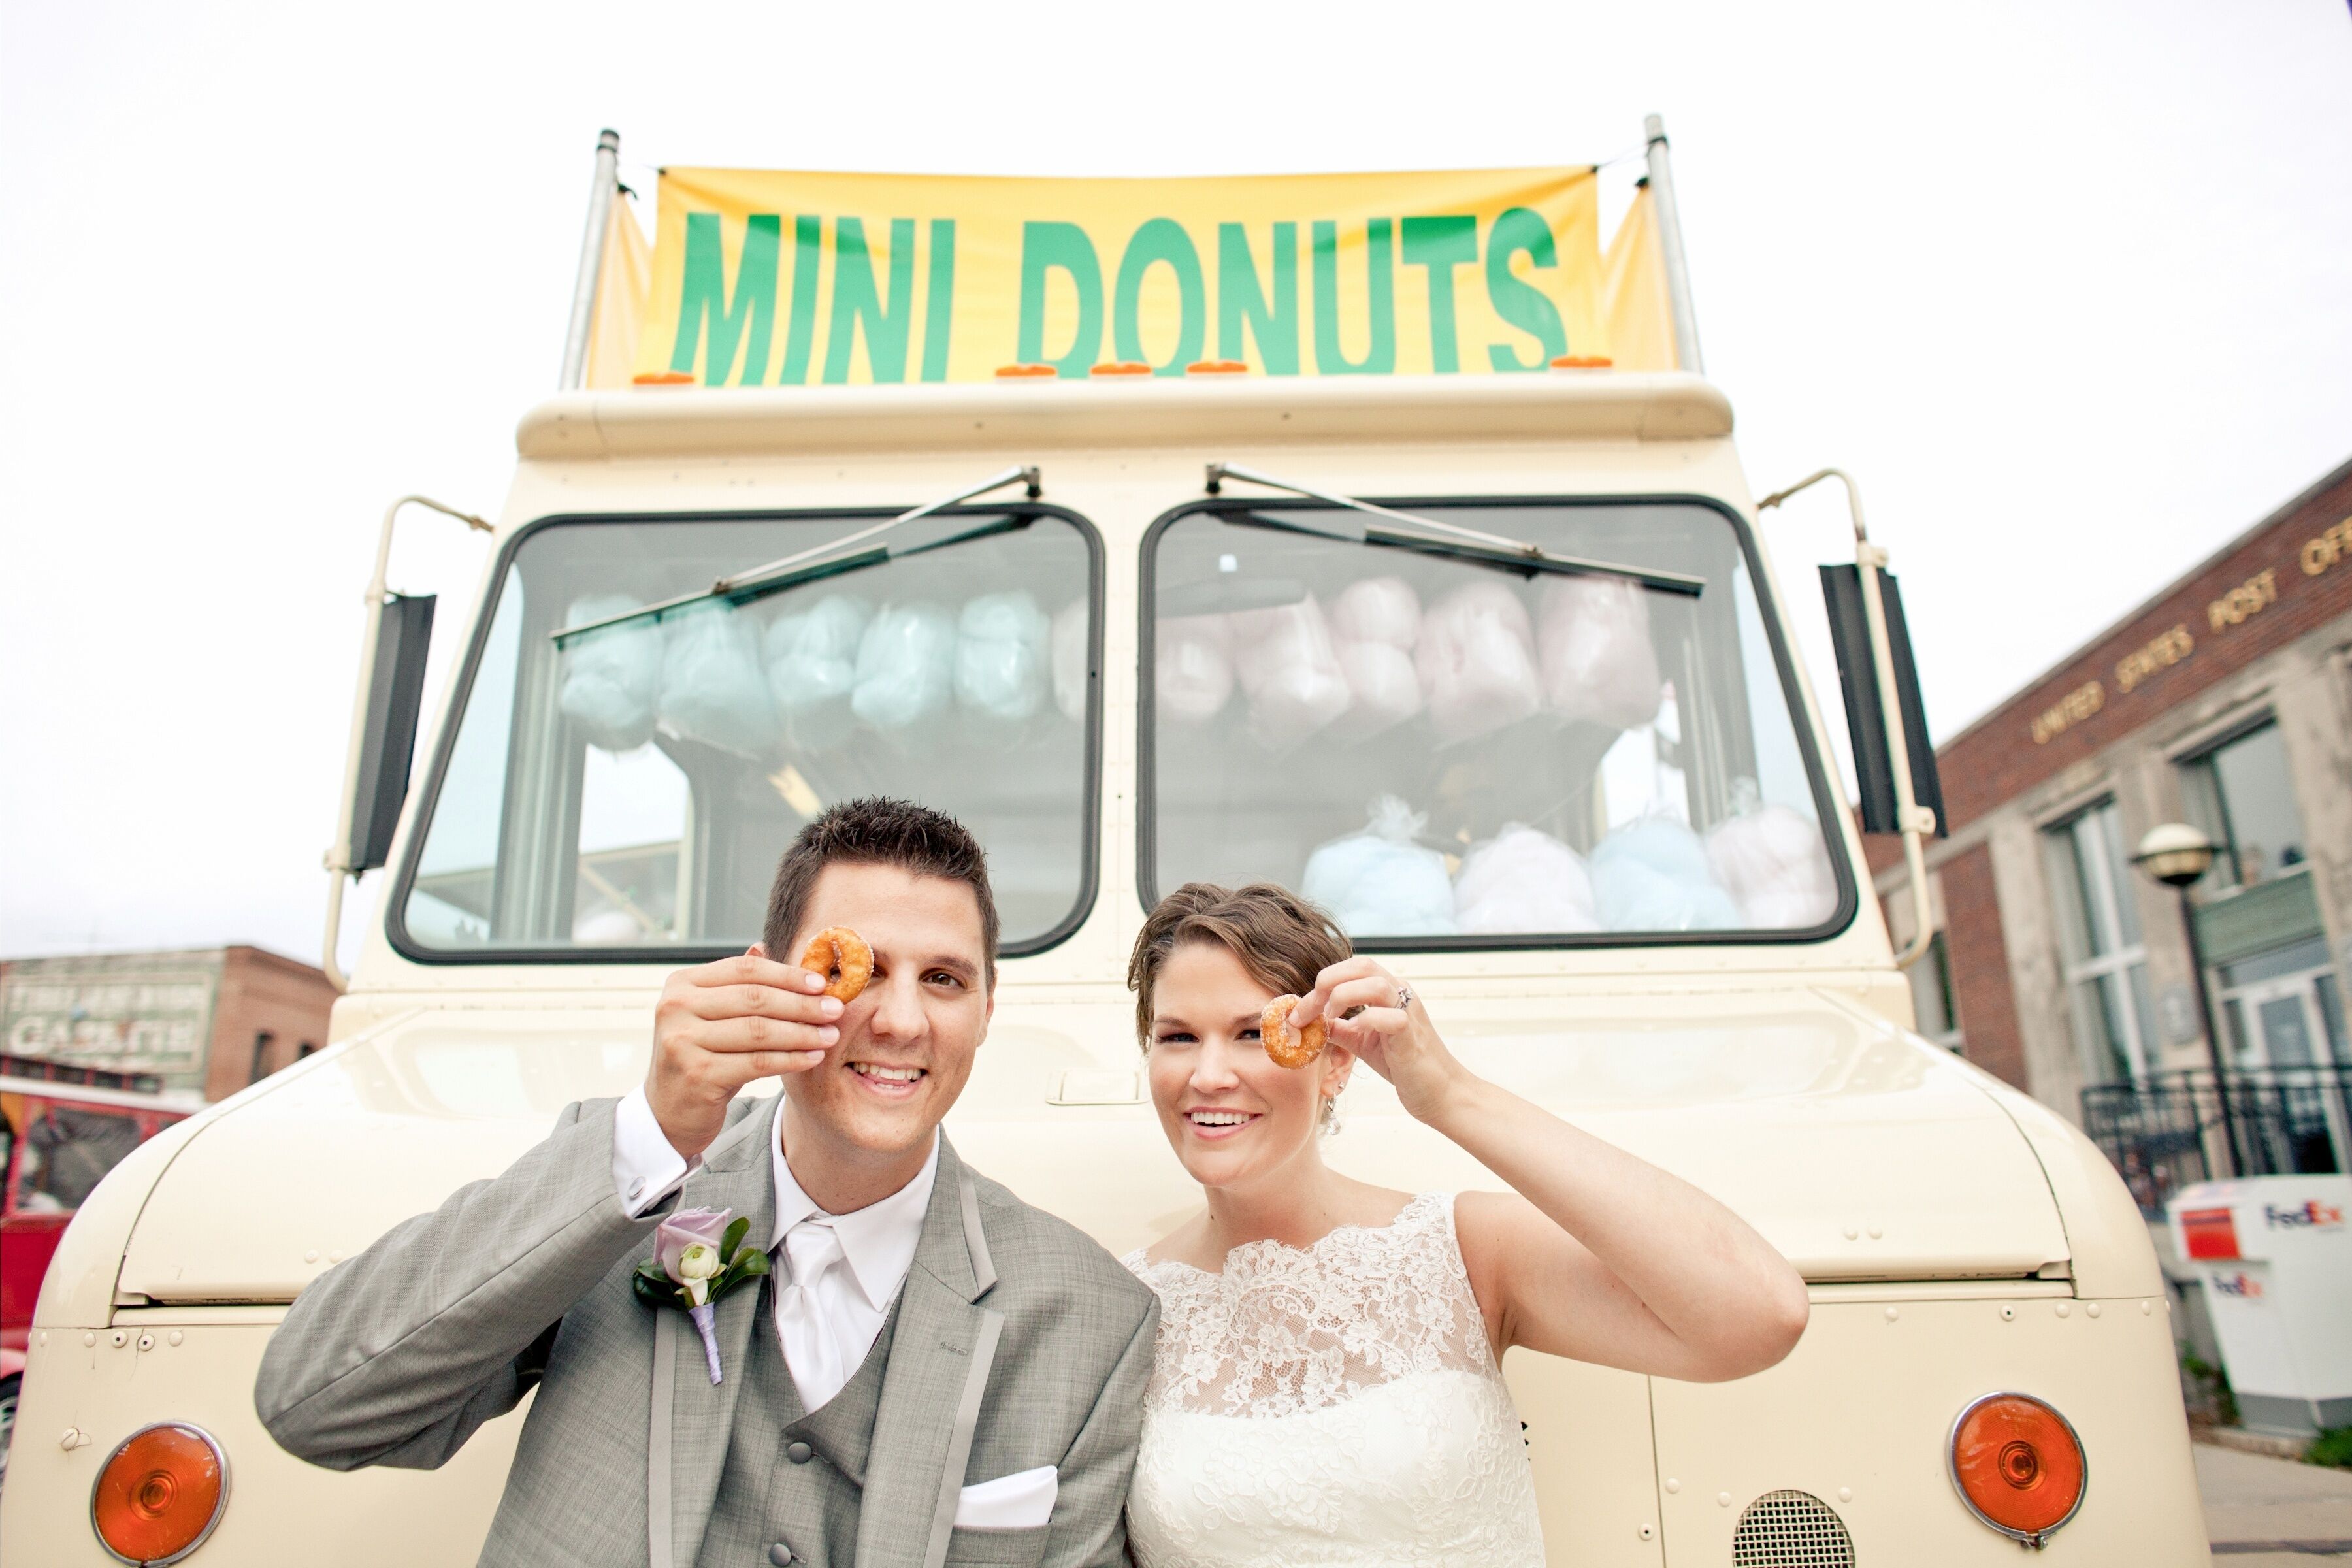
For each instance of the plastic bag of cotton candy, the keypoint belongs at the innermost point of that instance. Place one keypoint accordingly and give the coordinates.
(1652, 875)
(1593, 637)
(1477, 662)
(610, 678)
(906, 666)
(713, 688)
(1379, 882)
(813, 666)
(1002, 657)
(1192, 668)
(1070, 649)
(1523, 881)
(1285, 663)
(1374, 626)
(1772, 860)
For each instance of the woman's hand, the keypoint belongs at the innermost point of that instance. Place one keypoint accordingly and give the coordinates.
(1372, 1013)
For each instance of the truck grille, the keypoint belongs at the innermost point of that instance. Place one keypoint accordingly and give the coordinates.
(1791, 1529)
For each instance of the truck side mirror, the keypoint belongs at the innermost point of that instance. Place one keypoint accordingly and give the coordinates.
(1874, 763)
(395, 694)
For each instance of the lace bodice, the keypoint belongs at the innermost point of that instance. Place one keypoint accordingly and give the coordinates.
(1332, 1405)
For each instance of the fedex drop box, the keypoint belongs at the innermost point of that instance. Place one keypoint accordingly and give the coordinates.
(2274, 1256)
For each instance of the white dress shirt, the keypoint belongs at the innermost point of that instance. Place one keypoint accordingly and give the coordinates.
(878, 1242)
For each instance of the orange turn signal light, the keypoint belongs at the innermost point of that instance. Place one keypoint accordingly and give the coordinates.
(159, 1494)
(2018, 1464)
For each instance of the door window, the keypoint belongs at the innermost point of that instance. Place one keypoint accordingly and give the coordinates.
(2099, 937)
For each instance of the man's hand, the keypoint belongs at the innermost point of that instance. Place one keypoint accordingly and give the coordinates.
(719, 1027)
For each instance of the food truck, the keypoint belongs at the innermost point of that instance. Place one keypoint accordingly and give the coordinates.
(1376, 534)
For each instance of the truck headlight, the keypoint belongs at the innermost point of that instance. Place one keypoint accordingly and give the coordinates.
(2018, 1464)
(160, 1493)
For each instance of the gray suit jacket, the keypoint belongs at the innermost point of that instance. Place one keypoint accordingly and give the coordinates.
(1020, 1342)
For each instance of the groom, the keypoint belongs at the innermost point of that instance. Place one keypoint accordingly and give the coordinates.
(935, 1373)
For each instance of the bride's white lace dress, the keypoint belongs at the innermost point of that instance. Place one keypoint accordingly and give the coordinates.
(1335, 1405)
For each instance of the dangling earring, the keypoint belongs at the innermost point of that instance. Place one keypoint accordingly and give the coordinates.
(1331, 1116)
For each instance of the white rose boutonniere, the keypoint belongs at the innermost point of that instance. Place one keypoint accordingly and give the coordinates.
(699, 1256)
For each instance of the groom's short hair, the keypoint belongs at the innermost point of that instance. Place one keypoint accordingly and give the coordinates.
(877, 831)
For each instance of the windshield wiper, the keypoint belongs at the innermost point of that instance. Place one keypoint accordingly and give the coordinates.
(1466, 543)
(803, 566)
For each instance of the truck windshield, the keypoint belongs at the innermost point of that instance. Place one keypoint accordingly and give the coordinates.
(635, 787)
(1443, 752)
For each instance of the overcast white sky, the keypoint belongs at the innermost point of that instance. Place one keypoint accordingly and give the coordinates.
(2065, 287)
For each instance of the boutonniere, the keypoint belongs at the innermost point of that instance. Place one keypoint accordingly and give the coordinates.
(697, 1257)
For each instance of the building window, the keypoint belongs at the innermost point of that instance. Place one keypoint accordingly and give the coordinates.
(2240, 793)
(261, 1044)
(304, 1049)
(1931, 994)
(2099, 936)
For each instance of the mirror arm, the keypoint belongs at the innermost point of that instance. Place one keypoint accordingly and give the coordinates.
(1917, 822)
(338, 854)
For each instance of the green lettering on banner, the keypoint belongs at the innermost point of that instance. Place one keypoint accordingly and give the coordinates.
(856, 300)
(1046, 248)
(1159, 241)
(703, 294)
(1240, 300)
(939, 303)
(808, 247)
(1380, 356)
(1517, 301)
(1440, 245)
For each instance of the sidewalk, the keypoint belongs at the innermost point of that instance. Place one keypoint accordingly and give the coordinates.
(2261, 1512)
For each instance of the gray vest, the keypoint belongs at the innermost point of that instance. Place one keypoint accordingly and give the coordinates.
(791, 1489)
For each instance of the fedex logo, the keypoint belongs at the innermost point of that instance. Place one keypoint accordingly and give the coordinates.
(2313, 1212)
(2241, 1285)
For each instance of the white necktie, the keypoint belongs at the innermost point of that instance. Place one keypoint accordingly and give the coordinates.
(812, 1345)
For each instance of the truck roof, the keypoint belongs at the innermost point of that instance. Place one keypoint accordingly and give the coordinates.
(683, 421)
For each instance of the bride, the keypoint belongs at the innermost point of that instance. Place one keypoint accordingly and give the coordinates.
(1328, 1387)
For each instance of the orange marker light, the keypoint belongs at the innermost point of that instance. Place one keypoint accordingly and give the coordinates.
(1217, 367)
(1582, 361)
(1122, 368)
(1025, 371)
(663, 378)
(2018, 1464)
(160, 1494)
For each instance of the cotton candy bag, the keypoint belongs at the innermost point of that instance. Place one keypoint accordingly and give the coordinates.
(1284, 660)
(1476, 662)
(610, 678)
(1652, 875)
(812, 666)
(1374, 625)
(906, 665)
(1192, 668)
(712, 686)
(1070, 660)
(1593, 640)
(1001, 655)
(1379, 882)
(1772, 860)
(1523, 881)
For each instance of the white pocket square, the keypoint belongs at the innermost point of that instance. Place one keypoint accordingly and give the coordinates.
(1023, 1500)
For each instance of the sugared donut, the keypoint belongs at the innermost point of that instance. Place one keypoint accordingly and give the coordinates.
(842, 956)
(1289, 1048)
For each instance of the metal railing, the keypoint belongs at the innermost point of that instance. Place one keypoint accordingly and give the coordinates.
(2166, 1131)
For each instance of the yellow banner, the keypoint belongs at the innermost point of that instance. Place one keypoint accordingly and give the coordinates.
(767, 278)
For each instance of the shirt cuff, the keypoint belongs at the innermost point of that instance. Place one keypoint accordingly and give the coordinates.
(645, 1168)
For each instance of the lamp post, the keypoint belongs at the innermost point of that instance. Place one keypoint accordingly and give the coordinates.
(2177, 855)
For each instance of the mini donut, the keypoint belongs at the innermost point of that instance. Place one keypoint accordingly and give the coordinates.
(840, 954)
(1289, 1048)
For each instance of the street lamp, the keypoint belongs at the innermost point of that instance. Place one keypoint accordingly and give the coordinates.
(2177, 855)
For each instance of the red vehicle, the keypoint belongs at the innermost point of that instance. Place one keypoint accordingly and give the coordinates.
(57, 1139)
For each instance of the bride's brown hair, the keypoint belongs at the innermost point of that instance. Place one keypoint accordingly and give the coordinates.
(1281, 939)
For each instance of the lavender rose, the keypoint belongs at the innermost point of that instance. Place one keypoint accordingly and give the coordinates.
(686, 1229)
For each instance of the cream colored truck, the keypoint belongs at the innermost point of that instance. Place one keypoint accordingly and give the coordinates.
(1123, 683)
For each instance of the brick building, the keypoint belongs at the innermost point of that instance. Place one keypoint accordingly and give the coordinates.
(2224, 702)
(210, 1020)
